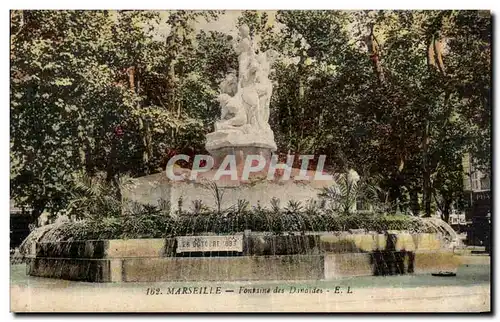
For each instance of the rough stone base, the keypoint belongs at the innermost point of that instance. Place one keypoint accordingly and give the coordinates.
(247, 268)
(389, 263)
(182, 194)
(263, 257)
(243, 268)
(74, 269)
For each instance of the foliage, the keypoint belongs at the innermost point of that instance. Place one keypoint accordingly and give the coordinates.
(154, 223)
(347, 190)
(86, 95)
(93, 196)
(398, 96)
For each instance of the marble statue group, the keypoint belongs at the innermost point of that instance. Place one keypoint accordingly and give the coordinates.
(245, 100)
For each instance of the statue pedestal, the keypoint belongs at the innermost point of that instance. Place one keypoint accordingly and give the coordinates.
(240, 154)
(257, 190)
(241, 145)
(223, 141)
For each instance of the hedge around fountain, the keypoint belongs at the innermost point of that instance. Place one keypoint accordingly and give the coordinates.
(161, 225)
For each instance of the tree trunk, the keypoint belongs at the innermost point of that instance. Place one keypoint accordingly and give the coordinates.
(414, 204)
(431, 61)
(290, 118)
(116, 183)
(131, 78)
(374, 52)
(446, 211)
(38, 208)
(427, 173)
(171, 87)
(111, 166)
(301, 108)
(435, 54)
(434, 60)
(148, 141)
(144, 124)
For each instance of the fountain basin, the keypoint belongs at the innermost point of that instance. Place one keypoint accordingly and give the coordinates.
(263, 256)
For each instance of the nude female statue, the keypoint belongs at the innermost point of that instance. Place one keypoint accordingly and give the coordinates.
(233, 115)
(264, 86)
(245, 101)
(245, 52)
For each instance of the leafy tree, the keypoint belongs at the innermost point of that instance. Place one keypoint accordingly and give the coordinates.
(399, 96)
(65, 103)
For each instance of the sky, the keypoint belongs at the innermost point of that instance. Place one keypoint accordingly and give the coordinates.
(226, 23)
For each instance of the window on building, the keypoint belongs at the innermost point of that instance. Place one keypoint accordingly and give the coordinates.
(480, 181)
(476, 180)
(485, 182)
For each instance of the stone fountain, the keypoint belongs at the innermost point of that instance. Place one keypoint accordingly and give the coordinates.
(243, 130)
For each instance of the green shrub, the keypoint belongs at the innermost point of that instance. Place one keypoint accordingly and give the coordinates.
(158, 224)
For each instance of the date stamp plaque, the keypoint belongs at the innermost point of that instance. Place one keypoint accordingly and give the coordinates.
(232, 243)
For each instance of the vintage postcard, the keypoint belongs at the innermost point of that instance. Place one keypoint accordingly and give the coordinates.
(250, 161)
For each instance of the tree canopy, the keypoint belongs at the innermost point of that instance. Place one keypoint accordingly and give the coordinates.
(396, 95)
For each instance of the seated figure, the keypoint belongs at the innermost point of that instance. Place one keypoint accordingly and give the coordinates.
(233, 114)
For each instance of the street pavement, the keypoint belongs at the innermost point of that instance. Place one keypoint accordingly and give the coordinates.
(468, 291)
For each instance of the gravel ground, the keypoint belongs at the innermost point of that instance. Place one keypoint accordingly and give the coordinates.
(469, 291)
